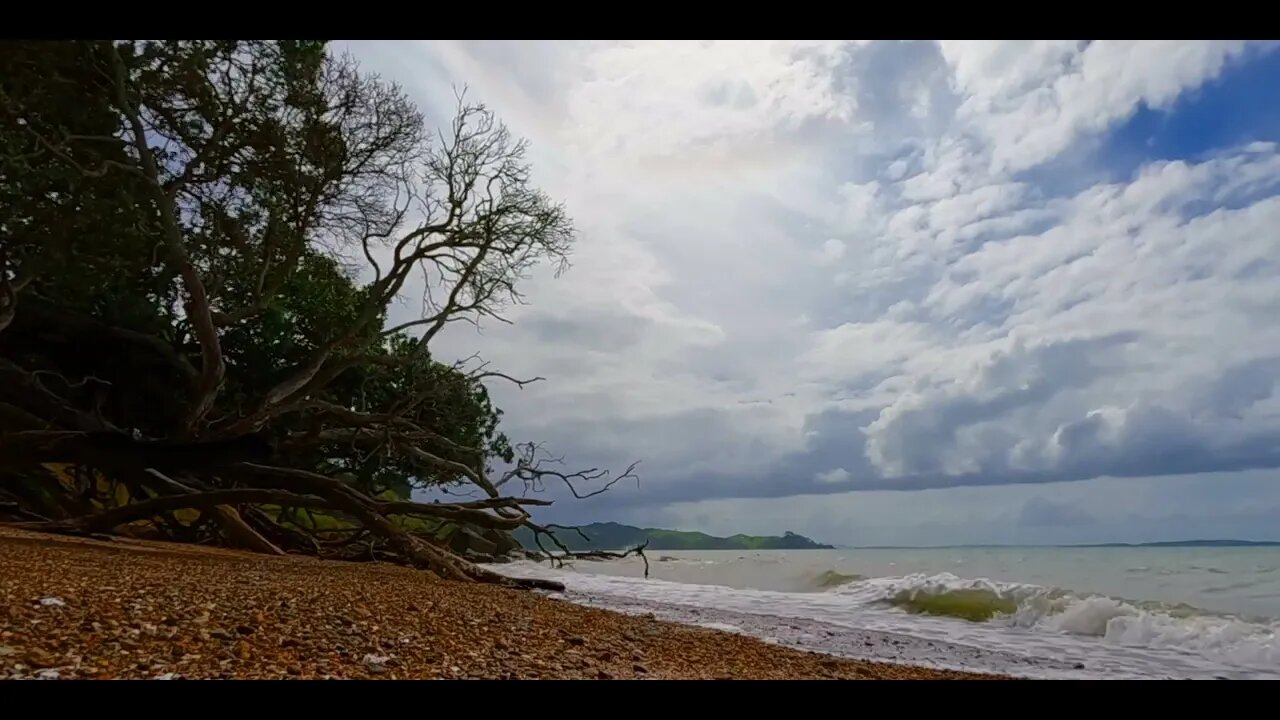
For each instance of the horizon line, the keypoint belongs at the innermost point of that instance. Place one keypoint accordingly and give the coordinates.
(1151, 543)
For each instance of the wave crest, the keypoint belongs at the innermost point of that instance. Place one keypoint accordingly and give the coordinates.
(975, 605)
(1057, 610)
(833, 579)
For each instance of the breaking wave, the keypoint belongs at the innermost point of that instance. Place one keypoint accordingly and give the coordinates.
(830, 579)
(1043, 619)
(1056, 610)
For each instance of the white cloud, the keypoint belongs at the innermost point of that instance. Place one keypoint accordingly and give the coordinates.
(680, 104)
(1032, 99)
(805, 266)
(852, 350)
(833, 476)
(832, 250)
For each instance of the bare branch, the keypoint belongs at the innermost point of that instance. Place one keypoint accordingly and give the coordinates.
(531, 469)
(504, 376)
(109, 519)
(198, 311)
(100, 171)
(568, 555)
(227, 517)
(26, 389)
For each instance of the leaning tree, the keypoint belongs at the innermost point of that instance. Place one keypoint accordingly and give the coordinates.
(200, 243)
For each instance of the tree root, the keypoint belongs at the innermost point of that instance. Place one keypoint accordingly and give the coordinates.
(309, 490)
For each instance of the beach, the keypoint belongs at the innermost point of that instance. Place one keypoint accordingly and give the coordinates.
(88, 608)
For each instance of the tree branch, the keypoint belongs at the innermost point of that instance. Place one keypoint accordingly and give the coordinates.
(227, 517)
(115, 517)
(530, 469)
(197, 307)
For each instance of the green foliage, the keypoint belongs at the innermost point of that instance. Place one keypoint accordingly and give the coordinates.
(280, 162)
(59, 208)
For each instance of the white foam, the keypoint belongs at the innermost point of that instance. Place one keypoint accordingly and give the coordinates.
(1116, 621)
(726, 627)
(1114, 635)
(1086, 616)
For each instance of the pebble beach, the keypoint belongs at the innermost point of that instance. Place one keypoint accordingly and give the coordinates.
(75, 607)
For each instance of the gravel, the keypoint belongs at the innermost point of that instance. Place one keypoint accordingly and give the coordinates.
(85, 608)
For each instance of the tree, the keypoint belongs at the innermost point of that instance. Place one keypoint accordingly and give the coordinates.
(225, 225)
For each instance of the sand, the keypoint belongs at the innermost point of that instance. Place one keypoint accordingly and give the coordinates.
(86, 608)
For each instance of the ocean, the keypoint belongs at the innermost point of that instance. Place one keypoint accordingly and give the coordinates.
(1122, 613)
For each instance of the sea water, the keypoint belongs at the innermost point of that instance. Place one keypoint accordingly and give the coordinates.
(1038, 612)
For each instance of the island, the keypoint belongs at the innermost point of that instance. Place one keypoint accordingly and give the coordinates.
(616, 536)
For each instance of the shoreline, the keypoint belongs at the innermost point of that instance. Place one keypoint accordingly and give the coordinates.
(876, 646)
(85, 608)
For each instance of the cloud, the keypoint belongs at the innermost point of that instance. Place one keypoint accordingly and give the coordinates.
(834, 476)
(938, 430)
(1032, 99)
(806, 268)
(832, 251)
(1242, 505)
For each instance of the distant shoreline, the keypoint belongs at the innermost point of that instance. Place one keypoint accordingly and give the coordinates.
(1164, 544)
(612, 536)
(617, 537)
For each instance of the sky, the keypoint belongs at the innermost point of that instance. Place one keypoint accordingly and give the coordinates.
(903, 293)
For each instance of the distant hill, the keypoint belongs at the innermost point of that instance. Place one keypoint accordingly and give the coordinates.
(1166, 544)
(615, 536)
(1194, 543)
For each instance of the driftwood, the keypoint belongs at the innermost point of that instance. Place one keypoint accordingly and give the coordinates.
(607, 555)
